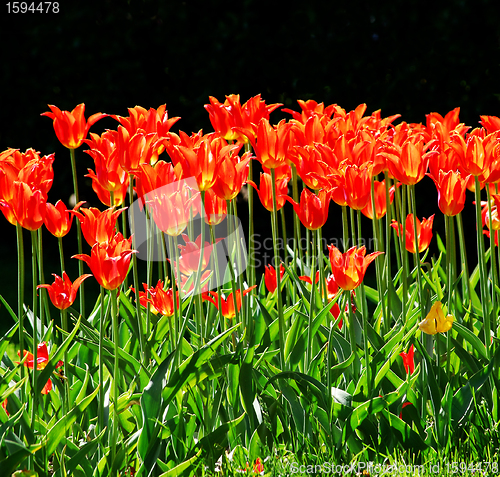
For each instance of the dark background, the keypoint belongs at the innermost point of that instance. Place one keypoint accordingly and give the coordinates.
(408, 57)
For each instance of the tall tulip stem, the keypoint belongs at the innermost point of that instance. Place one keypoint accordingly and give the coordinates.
(78, 230)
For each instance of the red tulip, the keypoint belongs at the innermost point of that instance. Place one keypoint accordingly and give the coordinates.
(424, 232)
(42, 358)
(227, 310)
(271, 146)
(265, 192)
(408, 361)
(109, 261)
(312, 209)
(190, 255)
(270, 277)
(451, 192)
(380, 200)
(97, 226)
(27, 207)
(231, 175)
(62, 292)
(215, 208)
(227, 117)
(58, 219)
(161, 300)
(350, 267)
(70, 127)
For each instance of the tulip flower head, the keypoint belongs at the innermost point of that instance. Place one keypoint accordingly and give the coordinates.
(70, 127)
(42, 361)
(312, 209)
(435, 321)
(270, 277)
(109, 261)
(451, 192)
(62, 292)
(97, 226)
(265, 192)
(58, 219)
(161, 300)
(228, 310)
(408, 360)
(349, 268)
(424, 233)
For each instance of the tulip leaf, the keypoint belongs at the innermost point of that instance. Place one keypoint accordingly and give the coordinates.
(462, 399)
(409, 438)
(58, 356)
(56, 433)
(471, 338)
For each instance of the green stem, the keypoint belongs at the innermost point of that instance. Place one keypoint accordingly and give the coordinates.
(116, 372)
(312, 304)
(135, 269)
(240, 267)
(251, 249)
(297, 244)
(20, 301)
(417, 251)
(78, 231)
(277, 264)
(481, 256)
(345, 229)
(102, 332)
(388, 271)
(35, 329)
(378, 265)
(463, 259)
(493, 259)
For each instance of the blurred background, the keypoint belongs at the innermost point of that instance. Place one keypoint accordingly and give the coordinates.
(401, 57)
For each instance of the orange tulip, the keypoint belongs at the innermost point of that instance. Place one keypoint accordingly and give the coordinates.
(148, 178)
(408, 164)
(58, 219)
(424, 232)
(451, 192)
(161, 300)
(26, 207)
(228, 116)
(227, 305)
(42, 356)
(171, 209)
(97, 226)
(356, 182)
(380, 200)
(201, 159)
(189, 259)
(490, 123)
(270, 277)
(135, 149)
(272, 143)
(232, 173)
(150, 121)
(310, 167)
(70, 127)
(478, 154)
(266, 192)
(349, 268)
(62, 292)
(312, 209)
(109, 175)
(215, 208)
(109, 261)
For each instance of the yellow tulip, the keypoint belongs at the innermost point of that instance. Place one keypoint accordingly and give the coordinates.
(435, 321)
